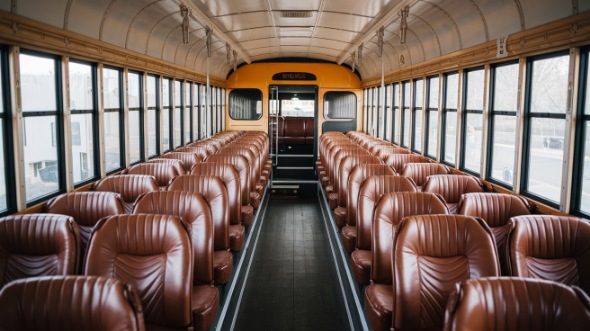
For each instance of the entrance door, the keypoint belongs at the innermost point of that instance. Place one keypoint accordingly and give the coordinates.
(292, 130)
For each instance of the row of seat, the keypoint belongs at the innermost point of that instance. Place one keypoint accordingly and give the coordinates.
(378, 200)
(167, 226)
(294, 130)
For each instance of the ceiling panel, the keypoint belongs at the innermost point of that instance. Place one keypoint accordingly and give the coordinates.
(365, 8)
(504, 11)
(469, 20)
(295, 31)
(220, 8)
(540, 12)
(253, 34)
(295, 5)
(270, 51)
(253, 44)
(327, 43)
(244, 21)
(445, 29)
(349, 22)
(86, 16)
(334, 34)
(50, 12)
(289, 21)
(295, 41)
(119, 19)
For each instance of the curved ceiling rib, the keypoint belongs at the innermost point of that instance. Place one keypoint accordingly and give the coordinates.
(136, 17)
(521, 14)
(104, 17)
(483, 19)
(147, 44)
(190, 50)
(425, 22)
(67, 14)
(450, 18)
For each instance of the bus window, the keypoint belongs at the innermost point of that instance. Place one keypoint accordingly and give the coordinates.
(245, 104)
(432, 117)
(135, 90)
(417, 115)
(152, 115)
(473, 120)
(449, 127)
(340, 105)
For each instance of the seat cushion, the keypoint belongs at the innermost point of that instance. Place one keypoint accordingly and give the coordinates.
(222, 266)
(255, 199)
(379, 305)
(349, 238)
(205, 302)
(333, 200)
(236, 237)
(453, 207)
(247, 214)
(340, 216)
(361, 266)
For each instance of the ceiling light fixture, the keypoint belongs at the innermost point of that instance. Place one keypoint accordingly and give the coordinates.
(184, 12)
(404, 13)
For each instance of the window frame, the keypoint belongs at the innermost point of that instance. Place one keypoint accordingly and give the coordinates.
(582, 123)
(413, 114)
(426, 118)
(7, 129)
(443, 127)
(527, 117)
(464, 113)
(94, 113)
(139, 109)
(157, 109)
(59, 121)
(406, 111)
(170, 108)
(492, 112)
(395, 95)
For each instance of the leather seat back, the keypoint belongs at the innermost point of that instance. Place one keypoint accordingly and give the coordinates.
(249, 144)
(188, 159)
(495, 209)
(230, 178)
(214, 192)
(376, 147)
(490, 304)
(201, 151)
(193, 210)
(309, 130)
(452, 187)
(87, 208)
(211, 147)
(347, 165)
(151, 252)
(69, 304)
(370, 193)
(355, 181)
(252, 162)
(241, 166)
(294, 130)
(34, 245)
(555, 248)
(431, 253)
(164, 173)
(338, 158)
(398, 161)
(419, 172)
(389, 212)
(383, 151)
(178, 164)
(130, 187)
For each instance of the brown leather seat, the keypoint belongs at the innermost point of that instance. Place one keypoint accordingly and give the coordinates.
(215, 193)
(252, 161)
(130, 187)
(383, 151)
(254, 146)
(376, 147)
(370, 193)
(192, 208)
(356, 179)
(178, 164)
(419, 172)
(398, 161)
(430, 254)
(389, 212)
(162, 172)
(294, 130)
(346, 167)
(496, 209)
(228, 175)
(38, 245)
(452, 188)
(152, 252)
(189, 160)
(326, 177)
(242, 167)
(555, 248)
(87, 208)
(309, 130)
(201, 151)
(70, 303)
(335, 172)
(516, 304)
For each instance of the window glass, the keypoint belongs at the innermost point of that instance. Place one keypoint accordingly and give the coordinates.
(152, 116)
(396, 112)
(41, 161)
(187, 112)
(245, 104)
(432, 99)
(195, 112)
(82, 147)
(418, 93)
(548, 97)
(165, 117)
(389, 112)
(134, 90)
(546, 157)
(81, 86)
(177, 127)
(110, 89)
(37, 83)
(417, 124)
(503, 118)
(503, 148)
(549, 85)
(452, 91)
(3, 193)
(112, 141)
(406, 129)
(450, 137)
(340, 105)
(134, 136)
(473, 127)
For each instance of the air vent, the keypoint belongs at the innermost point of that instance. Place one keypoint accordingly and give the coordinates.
(296, 14)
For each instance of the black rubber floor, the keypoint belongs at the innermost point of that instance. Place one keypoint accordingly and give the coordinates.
(292, 283)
